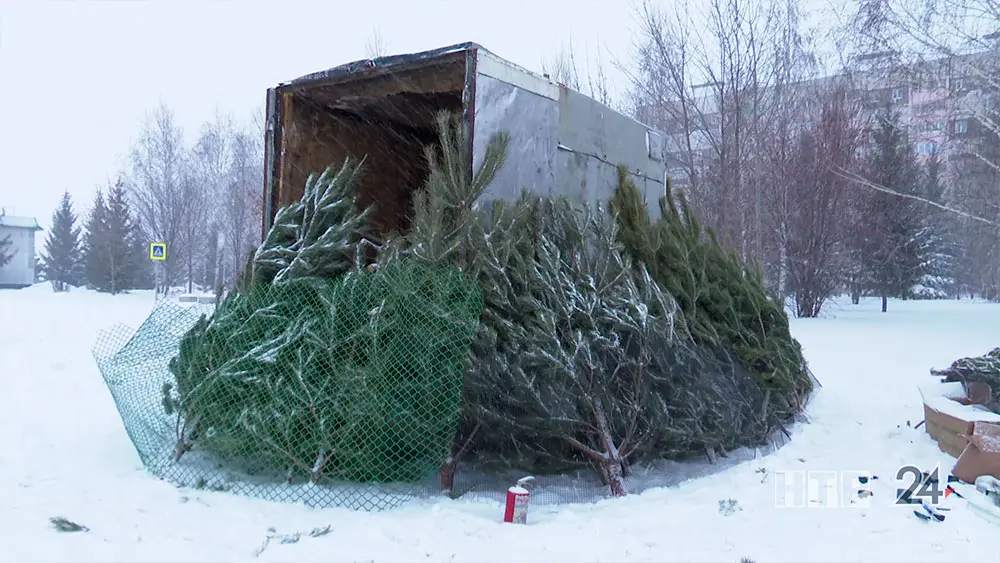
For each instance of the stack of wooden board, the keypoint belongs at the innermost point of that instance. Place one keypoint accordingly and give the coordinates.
(950, 414)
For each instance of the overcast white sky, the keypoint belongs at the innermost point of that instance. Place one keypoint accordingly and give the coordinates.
(77, 77)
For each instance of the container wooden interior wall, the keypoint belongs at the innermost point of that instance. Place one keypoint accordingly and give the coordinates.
(386, 118)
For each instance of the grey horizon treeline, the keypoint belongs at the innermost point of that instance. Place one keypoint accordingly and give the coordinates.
(202, 201)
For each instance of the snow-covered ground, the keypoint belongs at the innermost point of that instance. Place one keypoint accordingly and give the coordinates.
(66, 454)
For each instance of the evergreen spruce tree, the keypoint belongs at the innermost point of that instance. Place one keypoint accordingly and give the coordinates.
(143, 277)
(95, 241)
(581, 357)
(62, 260)
(121, 231)
(891, 246)
(110, 259)
(938, 247)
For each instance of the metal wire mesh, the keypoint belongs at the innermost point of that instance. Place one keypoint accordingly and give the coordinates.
(330, 393)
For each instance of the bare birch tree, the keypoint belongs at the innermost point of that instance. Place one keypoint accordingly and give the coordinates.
(817, 200)
(194, 225)
(563, 68)
(375, 46)
(156, 185)
(229, 164)
(212, 156)
(242, 205)
(726, 104)
(663, 94)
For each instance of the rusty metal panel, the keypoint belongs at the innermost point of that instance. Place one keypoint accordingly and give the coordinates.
(389, 64)
(286, 101)
(532, 121)
(272, 134)
(469, 104)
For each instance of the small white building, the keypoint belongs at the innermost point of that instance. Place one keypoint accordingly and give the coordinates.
(20, 271)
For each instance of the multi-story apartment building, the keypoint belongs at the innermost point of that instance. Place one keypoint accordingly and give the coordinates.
(942, 104)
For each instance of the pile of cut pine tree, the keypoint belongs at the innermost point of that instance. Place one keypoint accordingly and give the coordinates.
(546, 336)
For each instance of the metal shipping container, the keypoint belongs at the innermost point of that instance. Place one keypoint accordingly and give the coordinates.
(562, 142)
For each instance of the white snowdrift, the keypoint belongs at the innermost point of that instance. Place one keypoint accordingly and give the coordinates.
(66, 454)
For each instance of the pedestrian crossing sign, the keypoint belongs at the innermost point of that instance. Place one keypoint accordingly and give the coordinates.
(157, 251)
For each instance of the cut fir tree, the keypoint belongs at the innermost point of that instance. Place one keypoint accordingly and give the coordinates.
(581, 358)
(723, 300)
(579, 355)
(316, 236)
(320, 368)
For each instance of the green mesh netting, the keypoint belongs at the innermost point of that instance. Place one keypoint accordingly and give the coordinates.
(342, 392)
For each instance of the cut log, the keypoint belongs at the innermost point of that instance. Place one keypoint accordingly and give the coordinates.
(712, 457)
(451, 463)
(184, 440)
(612, 459)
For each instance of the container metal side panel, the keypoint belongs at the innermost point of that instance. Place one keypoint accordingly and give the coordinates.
(589, 181)
(532, 123)
(594, 140)
(493, 66)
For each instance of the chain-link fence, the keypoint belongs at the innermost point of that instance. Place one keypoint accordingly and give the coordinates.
(344, 392)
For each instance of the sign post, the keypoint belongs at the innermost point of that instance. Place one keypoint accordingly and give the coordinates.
(158, 253)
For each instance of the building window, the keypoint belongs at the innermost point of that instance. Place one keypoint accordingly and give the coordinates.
(930, 127)
(961, 126)
(958, 84)
(897, 94)
(927, 149)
